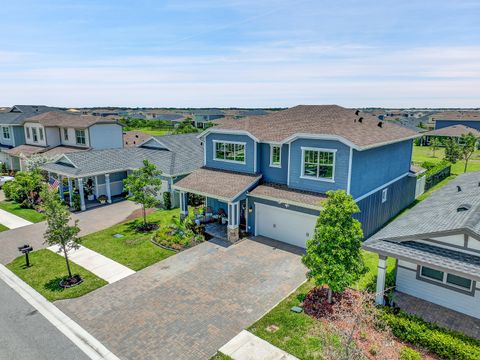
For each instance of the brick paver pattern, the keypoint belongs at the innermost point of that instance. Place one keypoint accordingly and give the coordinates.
(189, 305)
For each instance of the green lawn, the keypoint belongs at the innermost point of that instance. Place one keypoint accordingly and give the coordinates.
(153, 131)
(425, 153)
(3, 228)
(134, 249)
(221, 356)
(28, 214)
(47, 269)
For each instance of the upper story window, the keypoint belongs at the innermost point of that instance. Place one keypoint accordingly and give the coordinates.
(6, 132)
(80, 137)
(275, 155)
(447, 279)
(229, 151)
(28, 133)
(40, 132)
(318, 164)
(34, 134)
(65, 134)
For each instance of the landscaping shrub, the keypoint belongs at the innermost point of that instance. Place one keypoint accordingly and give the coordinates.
(180, 235)
(447, 344)
(167, 202)
(25, 188)
(409, 354)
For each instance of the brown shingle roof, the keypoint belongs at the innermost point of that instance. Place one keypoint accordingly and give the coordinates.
(453, 131)
(64, 119)
(28, 150)
(289, 196)
(329, 120)
(135, 138)
(457, 115)
(222, 185)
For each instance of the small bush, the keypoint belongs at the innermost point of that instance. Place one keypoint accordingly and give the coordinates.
(167, 202)
(409, 354)
(447, 344)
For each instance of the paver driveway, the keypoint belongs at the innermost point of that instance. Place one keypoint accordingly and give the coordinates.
(189, 305)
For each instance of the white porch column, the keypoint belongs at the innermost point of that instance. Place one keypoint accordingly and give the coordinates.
(60, 187)
(183, 204)
(70, 191)
(82, 195)
(233, 221)
(96, 187)
(382, 270)
(107, 187)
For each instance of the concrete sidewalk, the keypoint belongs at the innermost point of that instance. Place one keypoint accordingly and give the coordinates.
(100, 265)
(12, 221)
(246, 346)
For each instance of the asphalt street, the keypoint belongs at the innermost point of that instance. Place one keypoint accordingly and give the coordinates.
(26, 335)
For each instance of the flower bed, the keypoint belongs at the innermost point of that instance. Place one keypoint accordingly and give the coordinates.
(171, 238)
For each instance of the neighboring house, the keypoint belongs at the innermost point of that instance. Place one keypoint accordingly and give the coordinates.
(202, 117)
(53, 133)
(466, 118)
(270, 174)
(11, 128)
(437, 247)
(135, 138)
(453, 131)
(104, 170)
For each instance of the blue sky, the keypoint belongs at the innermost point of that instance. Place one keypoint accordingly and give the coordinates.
(247, 53)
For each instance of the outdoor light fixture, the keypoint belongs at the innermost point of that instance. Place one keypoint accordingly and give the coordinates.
(25, 249)
(250, 210)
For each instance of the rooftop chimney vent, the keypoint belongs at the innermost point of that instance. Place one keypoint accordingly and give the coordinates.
(380, 124)
(459, 188)
(360, 119)
(357, 112)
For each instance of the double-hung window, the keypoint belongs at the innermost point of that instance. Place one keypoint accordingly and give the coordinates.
(80, 137)
(230, 151)
(65, 134)
(28, 133)
(40, 131)
(449, 280)
(6, 132)
(318, 164)
(275, 155)
(34, 134)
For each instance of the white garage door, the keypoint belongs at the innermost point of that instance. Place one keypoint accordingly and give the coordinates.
(284, 225)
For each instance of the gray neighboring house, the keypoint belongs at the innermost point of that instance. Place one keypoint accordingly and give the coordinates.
(202, 117)
(437, 247)
(104, 170)
(11, 129)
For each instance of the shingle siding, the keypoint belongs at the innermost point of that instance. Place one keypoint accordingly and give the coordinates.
(440, 124)
(375, 167)
(341, 165)
(248, 167)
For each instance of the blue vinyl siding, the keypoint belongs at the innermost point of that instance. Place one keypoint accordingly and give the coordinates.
(248, 167)
(216, 205)
(375, 167)
(251, 216)
(106, 136)
(341, 165)
(375, 214)
(273, 174)
(445, 123)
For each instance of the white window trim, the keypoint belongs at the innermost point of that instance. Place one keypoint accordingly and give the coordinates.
(84, 137)
(3, 133)
(444, 281)
(279, 165)
(229, 142)
(303, 176)
(65, 134)
(41, 134)
(27, 130)
(34, 134)
(384, 195)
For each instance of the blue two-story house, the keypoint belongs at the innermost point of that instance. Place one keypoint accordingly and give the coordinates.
(270, 174)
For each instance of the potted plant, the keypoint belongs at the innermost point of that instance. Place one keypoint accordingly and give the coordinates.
(102, 199)
(88, 188)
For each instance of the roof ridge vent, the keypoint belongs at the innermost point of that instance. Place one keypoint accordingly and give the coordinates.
(464, 207)
(357, 112)
(360, 119)
(459, 188)
(380, 124)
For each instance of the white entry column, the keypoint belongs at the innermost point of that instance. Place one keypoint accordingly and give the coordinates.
(381, 274)
(107, 188)
(183, 204)
(82, 195)
(60, 187)
(233, 222)
(70, 191)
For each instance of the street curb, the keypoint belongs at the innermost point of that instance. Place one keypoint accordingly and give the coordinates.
(79, 336)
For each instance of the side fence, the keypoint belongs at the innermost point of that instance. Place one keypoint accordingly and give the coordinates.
(435, 178)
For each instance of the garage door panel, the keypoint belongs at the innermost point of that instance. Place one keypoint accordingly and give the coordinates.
(284, 225)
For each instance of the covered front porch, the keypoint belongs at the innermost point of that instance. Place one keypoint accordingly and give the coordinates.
(225, 200)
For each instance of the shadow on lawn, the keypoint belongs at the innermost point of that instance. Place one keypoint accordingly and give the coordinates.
(54, 284)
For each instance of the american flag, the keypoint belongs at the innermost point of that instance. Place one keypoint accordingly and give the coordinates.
(53, 183)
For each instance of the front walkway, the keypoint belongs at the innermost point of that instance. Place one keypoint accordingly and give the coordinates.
(12, 221)
(246, 346)
(105, 268)
(438, 314)
(189, 305)
(89, 222)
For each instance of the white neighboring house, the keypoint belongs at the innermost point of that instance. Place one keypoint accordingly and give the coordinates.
(437, 247)
(55, 133)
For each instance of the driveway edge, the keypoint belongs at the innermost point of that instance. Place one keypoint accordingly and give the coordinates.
(79, 336)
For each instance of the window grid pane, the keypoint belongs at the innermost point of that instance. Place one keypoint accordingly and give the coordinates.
(318, 164)
(432, 273)
(459, 281)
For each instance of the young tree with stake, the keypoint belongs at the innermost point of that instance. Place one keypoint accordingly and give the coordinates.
(144, 185)
(468, 147)
(333, 254)
(59, 230)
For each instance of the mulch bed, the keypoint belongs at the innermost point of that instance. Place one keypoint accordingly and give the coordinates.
(70, 282)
